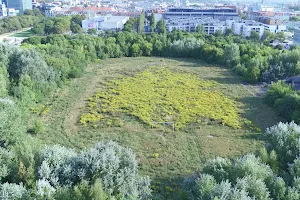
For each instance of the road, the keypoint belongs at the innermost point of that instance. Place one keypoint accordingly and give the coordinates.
(7, 37)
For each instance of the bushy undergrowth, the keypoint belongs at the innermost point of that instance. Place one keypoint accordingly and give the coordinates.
(264, 177)
(284, 100)
(106, 171)
(160, 95)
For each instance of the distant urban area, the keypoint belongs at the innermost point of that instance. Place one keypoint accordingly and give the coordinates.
(242, 18)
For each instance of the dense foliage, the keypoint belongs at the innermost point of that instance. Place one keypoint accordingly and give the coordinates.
(28, 19)
(252, 59)
(253, 177)
(58, 25)
(28, 75)
(103, 172)
(284, 100)
(165, 96)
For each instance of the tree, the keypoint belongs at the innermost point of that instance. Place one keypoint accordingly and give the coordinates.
(161, 26)
(152, 23)
(141, 23)
(254, 36)
(283, 138)
(13, 191)
(11, 124)
(280, 36)
(130, 25)
(116, 166)
(92, 31)
(75, 28)
(77, 19)
(38, 28)
(232, 55)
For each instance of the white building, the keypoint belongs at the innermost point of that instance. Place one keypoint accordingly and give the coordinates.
(105, 23)
(275, 28)
(3, 10)
(50, 11)
(12, 12)
(209, 25)
(245, 27)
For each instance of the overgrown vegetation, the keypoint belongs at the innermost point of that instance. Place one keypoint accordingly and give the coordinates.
(59, 25)
(30, 75)
(251, 59)
(267, 176)
(284, 100)
(165, 96)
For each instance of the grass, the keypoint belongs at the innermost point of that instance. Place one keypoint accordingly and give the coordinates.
(162, 155)
(25, 34)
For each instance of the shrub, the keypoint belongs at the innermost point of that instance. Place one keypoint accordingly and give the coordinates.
(255, 188)
(13, 191)
(219, 168)
(114, 165)
(276, 91)
(294, 168)
(38, 127)
(11, 124)
(249, 165)
(284, 138)
(278, 188)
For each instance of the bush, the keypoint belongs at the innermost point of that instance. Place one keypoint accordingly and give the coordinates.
(276, 91)
(11, 124)
(114, 165)
(255, 188)
(284, 139)
(219, 168)
(249, 165)
(13, 191)
(39, 127)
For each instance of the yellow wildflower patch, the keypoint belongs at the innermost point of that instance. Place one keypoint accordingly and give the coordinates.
(160, 95)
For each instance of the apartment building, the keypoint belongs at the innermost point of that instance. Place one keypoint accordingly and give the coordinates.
(218, 13)
(209, 25)
(245, 27)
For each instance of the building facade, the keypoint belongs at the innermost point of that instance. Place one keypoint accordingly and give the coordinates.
(220, 13)
(3, 10)
(190, 24)
(245, 27)
(20, 5)
(105, 23)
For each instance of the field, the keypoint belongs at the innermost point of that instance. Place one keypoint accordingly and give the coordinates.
(163, 155)
(24, 34)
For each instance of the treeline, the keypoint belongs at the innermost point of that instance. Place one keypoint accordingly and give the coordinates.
(272, 174)
(250, 58)
(59, 25)
(285, 100)
(28, 19)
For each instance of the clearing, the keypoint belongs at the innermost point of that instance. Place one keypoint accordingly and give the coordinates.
(162, 155)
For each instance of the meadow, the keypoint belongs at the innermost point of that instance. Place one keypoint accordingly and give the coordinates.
(163, 155)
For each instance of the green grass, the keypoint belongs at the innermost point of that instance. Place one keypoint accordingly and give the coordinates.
(162, 155)
(27, 33)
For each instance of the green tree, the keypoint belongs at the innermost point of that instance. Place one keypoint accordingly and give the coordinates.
(280, 36)
(92, 31)
(75, 28)
(152, 23)
(232, 55)
(38, 28)
(254, 36)
(141, 23)
(161, 26)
